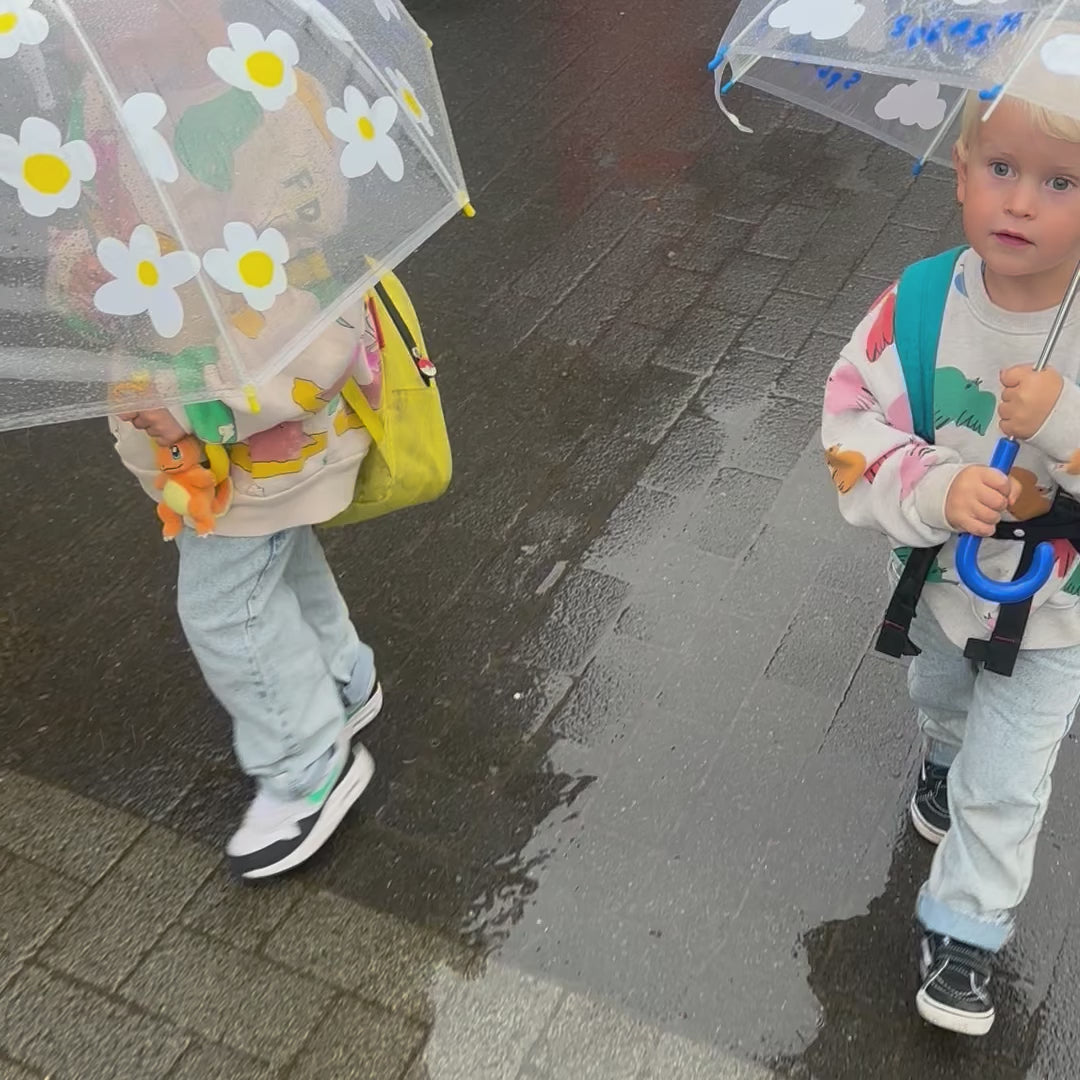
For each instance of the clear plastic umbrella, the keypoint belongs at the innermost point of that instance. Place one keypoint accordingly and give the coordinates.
(169, 170)
(901, 72)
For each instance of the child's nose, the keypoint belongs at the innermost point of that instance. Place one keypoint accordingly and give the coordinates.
(1022, 201)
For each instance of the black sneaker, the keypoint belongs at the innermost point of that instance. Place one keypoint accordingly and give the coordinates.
(277, 835)
(930, 803)
(955, 993)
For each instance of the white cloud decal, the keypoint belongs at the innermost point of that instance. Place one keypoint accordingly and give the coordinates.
(1061, 54)
(913, 104)
(823, 20)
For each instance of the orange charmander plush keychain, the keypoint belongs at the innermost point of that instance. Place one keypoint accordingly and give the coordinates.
(189, 489)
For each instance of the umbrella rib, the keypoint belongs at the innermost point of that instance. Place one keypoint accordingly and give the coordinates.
(113, 94)
(1018, 66)
(941, 132)
(351, 46)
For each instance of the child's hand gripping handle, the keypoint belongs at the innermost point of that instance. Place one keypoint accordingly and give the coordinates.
(967, 551)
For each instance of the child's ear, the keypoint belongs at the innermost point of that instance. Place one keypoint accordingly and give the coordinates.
(960, 164)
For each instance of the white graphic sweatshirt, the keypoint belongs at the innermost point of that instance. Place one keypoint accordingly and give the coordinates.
(892, 481)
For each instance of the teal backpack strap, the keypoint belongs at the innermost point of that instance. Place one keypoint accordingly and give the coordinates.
(920, 307)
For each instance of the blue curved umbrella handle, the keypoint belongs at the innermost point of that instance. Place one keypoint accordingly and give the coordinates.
(967, 551)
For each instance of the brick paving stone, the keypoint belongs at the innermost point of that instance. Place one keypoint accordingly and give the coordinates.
(254, 1006)
(130, 909)
(654, 400)
(679, 597)
(786, 231)
(898, 246)
(840, 244)
(677, 1056)
(33, 901)
(382, 958)
(64, 1029)
(700, 340)
(11, 1071)
(584, 604)
(241, 914)
(774, 442)
(929, 204)
(688, 458)
(706, 248)
(826, 640)
(487, 1026)
(360, 1042)
(64, 832)
(586, 1038)
(208, 1062)
(729, 514)
(745, 283)
(643, 518)
(850, 305)
(783, 324)
(620, 680)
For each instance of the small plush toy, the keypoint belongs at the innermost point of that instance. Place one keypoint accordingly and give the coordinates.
(189, 489)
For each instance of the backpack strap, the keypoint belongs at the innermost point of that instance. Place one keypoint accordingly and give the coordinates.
(921, 295)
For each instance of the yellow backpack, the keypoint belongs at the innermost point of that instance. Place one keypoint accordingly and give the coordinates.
(409, 460)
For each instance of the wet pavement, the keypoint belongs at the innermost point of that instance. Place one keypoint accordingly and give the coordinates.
(640, 802)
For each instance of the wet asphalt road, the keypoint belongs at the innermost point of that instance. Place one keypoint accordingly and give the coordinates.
(634, 741)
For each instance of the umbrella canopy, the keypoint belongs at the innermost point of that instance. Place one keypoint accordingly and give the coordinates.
(900, 70)
(190, 192)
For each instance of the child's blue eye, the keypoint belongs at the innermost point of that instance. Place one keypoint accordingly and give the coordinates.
(1061, 183)
(1000, 169)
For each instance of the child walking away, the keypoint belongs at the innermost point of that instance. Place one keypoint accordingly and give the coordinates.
(259, 604)
(995, 689)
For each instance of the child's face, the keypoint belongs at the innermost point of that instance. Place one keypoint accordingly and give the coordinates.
(1020, 190)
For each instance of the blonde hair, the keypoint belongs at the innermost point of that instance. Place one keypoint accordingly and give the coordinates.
(1055, 124)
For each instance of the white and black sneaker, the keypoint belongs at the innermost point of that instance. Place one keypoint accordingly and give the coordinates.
(359, 715)
(278, 835)
(930, 803)
(955, 993)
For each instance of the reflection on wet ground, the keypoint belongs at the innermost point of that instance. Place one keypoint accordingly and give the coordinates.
(639, 807)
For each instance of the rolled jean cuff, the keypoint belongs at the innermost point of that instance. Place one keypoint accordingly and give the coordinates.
(942, 919)
(362, 679)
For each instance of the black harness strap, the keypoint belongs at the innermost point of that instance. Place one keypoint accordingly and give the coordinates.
(999, 653)
(893, 639)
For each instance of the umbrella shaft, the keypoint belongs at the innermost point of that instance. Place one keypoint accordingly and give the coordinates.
(1059, 320)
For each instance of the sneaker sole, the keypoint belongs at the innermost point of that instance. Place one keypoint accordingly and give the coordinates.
(337, 805)
(367, 712)
(923, 827)
(963, 1023)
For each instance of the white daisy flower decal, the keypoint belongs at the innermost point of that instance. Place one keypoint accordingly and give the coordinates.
(251, 264)
(388, 9)
(19, 26)
(325, 19)
(142, 113)
(406, 94)
(261, 65)
(47, 173)
(146, 281)
(364, 130)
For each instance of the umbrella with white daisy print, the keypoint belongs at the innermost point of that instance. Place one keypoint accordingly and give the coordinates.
(169, 172)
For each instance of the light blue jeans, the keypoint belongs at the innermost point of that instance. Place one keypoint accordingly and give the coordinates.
(272, 635)
(1000, 738)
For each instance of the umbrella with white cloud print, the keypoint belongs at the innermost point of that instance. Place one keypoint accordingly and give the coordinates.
(901, 70)
(169, 172)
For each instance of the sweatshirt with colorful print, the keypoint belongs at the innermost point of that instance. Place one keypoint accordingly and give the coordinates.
(890, 480)
(295, 461)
